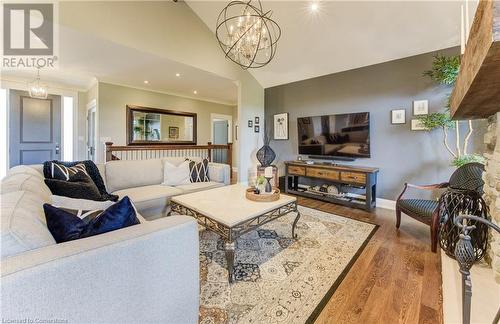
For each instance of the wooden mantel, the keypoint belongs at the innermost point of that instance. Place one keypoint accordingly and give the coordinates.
(477, 90)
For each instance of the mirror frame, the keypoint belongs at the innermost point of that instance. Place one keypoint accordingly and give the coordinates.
(130, 118)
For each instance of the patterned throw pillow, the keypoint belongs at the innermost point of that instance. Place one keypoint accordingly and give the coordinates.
(61, 172)
(199, 171)
(67, 225)
(79, 185)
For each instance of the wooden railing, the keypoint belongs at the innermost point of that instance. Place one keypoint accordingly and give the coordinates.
(214, 152)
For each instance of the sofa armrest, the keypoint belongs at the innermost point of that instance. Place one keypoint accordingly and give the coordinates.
(147, 273)
(219, 172)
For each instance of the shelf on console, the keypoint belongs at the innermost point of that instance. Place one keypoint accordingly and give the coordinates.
(348, 176)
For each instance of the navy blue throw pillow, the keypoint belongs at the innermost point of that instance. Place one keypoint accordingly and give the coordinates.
(66, 226)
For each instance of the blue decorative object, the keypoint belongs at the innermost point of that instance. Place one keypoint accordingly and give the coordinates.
(65, 226)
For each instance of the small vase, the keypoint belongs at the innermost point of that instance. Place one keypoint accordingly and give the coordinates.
(266, 155)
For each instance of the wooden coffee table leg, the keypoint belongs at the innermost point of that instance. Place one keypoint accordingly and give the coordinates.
(229, 248)
(295, 222)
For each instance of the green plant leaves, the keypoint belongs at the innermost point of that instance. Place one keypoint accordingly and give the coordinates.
(437, 120)
(444, 69)
(469, 158)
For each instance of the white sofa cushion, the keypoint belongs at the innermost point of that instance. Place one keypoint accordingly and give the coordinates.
(75, 203)
(145, 193)
(199, 186)
(136, 173)
(26, 182)
(219, 172)
(151, 201)
(36, 170)
(176, 175)
(176, 160)
(23, 225)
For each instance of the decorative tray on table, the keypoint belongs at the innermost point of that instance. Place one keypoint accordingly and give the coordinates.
(266, 197)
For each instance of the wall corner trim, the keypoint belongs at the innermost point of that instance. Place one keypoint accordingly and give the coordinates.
(386, 203)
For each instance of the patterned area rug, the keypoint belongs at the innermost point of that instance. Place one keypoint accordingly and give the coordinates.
(278, 279)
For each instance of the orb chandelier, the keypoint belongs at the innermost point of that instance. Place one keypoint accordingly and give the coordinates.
(246, 34)
(36, 89)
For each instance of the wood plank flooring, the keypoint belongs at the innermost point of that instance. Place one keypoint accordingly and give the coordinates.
(396, 279)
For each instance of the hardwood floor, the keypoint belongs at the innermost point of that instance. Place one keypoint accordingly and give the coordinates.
(396, 279)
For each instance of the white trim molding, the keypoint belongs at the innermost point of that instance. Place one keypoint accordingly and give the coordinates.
(386, 203)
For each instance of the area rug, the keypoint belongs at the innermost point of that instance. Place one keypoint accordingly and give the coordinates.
(278, 279)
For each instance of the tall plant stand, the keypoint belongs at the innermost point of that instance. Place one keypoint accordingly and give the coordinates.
(466, 256)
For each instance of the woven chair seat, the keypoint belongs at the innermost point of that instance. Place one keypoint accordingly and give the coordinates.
(421, 207)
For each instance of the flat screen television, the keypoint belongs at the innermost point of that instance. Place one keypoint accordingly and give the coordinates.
(341, 135)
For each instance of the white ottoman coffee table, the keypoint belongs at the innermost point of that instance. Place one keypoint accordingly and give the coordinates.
(227, 212)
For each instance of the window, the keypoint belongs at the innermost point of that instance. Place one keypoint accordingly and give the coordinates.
(68, 135)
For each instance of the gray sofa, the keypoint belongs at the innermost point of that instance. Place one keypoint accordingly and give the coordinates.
(141, 181)
(146, 273)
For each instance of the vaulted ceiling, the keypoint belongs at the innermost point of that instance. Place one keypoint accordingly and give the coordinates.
(343, 35)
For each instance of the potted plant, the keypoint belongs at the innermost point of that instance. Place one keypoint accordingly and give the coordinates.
(445, 72)
(260, 183)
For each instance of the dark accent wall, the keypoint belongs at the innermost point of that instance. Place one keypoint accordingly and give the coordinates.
(401, 154)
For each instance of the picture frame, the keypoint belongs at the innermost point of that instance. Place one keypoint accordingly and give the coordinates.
(416, 125)
(250, 124)
(398, 116)
(257, 120)
(257, 129)
(173, 132)
(280, 123)
(420, 107)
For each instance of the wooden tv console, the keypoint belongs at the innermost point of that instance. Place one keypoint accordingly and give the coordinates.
(344, 176)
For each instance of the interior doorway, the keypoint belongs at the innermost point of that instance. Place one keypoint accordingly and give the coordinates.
(221, 126)
(34, 128)
(220, 135)
(91, 130)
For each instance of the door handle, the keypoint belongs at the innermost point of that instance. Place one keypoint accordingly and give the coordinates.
(57, 148)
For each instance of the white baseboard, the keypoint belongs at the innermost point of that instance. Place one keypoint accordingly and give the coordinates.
(386, 203)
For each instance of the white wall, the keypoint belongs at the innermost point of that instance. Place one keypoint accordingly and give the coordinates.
(173, 31)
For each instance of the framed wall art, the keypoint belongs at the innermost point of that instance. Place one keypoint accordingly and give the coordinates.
(281, 126)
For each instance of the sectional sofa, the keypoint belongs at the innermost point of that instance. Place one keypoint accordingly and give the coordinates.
(146, 273)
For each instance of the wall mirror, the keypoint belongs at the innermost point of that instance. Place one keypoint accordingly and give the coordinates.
(159, 126)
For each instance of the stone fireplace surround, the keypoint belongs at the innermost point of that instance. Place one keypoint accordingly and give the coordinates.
(491, 178)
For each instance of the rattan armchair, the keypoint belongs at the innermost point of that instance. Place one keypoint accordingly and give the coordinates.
(423, 210)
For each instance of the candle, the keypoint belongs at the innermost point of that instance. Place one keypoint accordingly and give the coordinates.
(268, 172)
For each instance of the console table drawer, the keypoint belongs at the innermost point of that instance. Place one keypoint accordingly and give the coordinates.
(322, 173)
(353, 177)
(296, 170)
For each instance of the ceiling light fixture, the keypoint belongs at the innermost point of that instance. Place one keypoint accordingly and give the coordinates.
(177, 74)
(36, 89)
(246, 34)
(195, 92)
(314, 6)
(146, 82)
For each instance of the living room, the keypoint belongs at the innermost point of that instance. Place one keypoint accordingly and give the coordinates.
(216, 162)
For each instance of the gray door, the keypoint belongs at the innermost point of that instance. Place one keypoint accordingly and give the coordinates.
(91, 134)
(220, 132)
(34, 128)
(220, 137)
